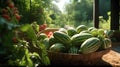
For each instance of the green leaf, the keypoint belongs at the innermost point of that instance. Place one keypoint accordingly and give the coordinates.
(36, 54)
(22, 62)
(46, 60)
(29, 31)
(35, 26)
(30, 63)
(28, 60)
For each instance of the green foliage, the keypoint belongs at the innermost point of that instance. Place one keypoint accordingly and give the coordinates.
(44, 11)
(36, 44)
(71, 16)
(79, 10)
(33, 10)
(105, 24)
(20, 46)
(29, 32)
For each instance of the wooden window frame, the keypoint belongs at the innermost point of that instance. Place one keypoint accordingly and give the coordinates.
(114, 24)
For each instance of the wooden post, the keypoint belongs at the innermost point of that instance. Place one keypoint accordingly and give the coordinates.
(96, 13)
(114, 15)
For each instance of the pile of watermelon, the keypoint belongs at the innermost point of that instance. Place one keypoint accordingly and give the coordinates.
(79, 40)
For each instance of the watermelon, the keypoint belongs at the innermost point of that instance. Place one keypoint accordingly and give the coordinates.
(108, 33)
(91, 28)
(78, 39)
(52, 40)
(71, 31)
(46, 43)
(57, 47)
(90, 45)
(84, 31)
(62, 37)
(81, 28)
(73, 50)
(63, 30)
(106, 43)
(94, 32)
(42, 36)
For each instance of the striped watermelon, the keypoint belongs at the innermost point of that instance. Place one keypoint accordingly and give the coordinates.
(78, 39)
(71, 31)
(62, 37)
(81, 28)
(90, 45)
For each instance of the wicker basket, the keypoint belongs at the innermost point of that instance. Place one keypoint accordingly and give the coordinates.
(77, 59)
(74, 59)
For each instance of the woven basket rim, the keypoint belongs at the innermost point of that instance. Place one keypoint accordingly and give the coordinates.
(101, 51)
(47, 30)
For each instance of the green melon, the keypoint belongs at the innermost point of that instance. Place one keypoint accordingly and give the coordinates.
(90, 45)
(46, 43)
(57, 47)
(63, 30)
(52, 40)
(91, 28)
(81, 28)
(42, 36)
(94, 32)
(108, 33)
(62, 37)
(73, 50)
(84, 31)
(71, 31)
(78, 39)
(106, 43)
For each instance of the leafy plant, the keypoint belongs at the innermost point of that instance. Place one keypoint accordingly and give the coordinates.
(19, 44)
(20, 47)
